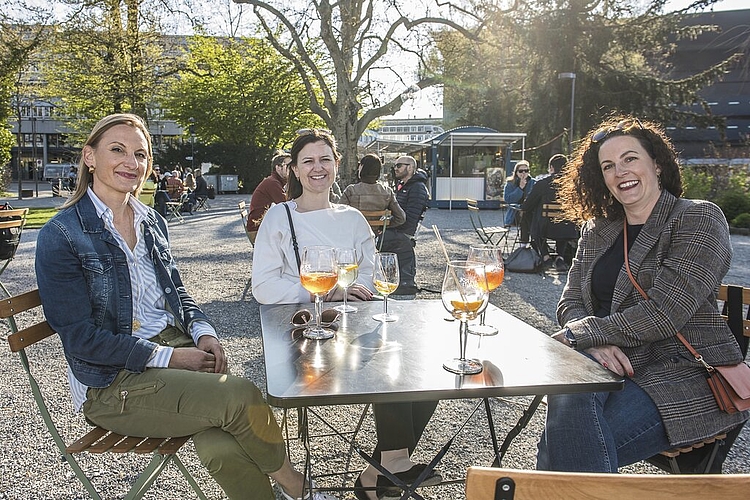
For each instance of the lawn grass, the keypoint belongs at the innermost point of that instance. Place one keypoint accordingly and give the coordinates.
(37, 217)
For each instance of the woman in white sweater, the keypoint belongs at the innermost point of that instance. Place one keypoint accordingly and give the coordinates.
(276, 280)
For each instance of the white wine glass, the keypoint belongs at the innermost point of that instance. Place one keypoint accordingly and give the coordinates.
(318, 274)
(348, 269)
(464, 295)
(385, 279)
(492, 258)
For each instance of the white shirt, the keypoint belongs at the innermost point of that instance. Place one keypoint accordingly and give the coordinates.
(275, 273)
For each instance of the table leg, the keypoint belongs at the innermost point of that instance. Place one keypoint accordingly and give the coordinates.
(520, 425)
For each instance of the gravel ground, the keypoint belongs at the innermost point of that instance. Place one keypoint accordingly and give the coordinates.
(215, 258)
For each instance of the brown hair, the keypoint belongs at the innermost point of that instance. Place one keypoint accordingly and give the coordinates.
(581, 188)
(308, 136)
(85, 178)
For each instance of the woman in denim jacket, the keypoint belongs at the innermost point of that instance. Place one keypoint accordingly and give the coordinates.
(516, 190)
(143, 359)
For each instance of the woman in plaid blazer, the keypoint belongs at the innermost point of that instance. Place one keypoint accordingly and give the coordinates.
(625, 175)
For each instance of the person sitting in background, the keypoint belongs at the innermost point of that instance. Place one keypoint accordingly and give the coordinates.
(516, 190)
(276, 280)
(189, 182)
(111, 289)
(369, 195)
(148, 191)
(624, 185)
(412, 195)
(174, 185)
(534, 224)
(270, 190)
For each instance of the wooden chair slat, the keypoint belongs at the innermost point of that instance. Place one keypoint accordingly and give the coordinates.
(14, 212)
(172, 445)
(29, 336)
(7, 224)
(149, 445)
(106, 443)
(481, 483)
(126, 444)
(87, 440)
(19, 303)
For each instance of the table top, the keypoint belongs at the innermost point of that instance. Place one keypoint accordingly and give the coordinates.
(372, 362)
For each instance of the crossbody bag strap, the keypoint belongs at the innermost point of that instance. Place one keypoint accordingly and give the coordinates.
(294, 237)
(680, 337)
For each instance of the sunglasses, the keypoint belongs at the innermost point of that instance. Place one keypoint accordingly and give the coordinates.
(399, 165)
(623, 126)
(523, 171)
(313, 131)
(303, 318)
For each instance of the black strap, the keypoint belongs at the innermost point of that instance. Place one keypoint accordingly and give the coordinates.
(294, 238)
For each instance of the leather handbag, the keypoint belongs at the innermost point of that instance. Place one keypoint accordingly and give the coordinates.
(523, 260)
(729, 384)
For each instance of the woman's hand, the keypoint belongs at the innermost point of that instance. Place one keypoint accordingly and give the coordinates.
(355, 292)
(612, 358)
(207, 357)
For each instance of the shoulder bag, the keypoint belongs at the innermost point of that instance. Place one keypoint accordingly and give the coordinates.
(523, 260)
(294, 237)
(729, 384)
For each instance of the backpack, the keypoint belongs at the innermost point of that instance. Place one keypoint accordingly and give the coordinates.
(523, 260)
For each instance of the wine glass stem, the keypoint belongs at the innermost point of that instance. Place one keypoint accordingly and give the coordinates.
(481, 319)
(385, 305)
(463, 334)
(318, 310)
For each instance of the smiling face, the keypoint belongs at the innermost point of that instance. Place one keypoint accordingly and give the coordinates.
(316, 167)
(631, 175)
(120, 160)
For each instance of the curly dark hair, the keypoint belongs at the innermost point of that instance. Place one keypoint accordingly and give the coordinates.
(305, 137)
(581, 188)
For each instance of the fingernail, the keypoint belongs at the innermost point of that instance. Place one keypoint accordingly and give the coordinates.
(604, 364)
(630, 374)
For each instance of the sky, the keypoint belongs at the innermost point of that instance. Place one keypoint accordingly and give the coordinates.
(429, 103)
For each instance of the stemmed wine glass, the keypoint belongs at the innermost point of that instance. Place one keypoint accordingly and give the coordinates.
(346, 260)
(386, 279)
(492, 258)
(464, 295)
(318, 274)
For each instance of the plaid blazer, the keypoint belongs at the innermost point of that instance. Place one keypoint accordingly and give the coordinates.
(679, 259)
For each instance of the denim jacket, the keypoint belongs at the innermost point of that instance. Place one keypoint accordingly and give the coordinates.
(84, 284)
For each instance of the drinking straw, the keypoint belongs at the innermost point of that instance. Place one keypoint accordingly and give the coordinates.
(448, 261)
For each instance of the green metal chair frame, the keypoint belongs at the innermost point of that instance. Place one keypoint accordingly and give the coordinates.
(99, 440)
(21, 213)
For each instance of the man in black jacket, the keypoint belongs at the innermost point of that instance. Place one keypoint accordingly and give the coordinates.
(412, 195)
(544, 191)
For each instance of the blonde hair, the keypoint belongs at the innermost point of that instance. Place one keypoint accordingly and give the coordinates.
(85, 178)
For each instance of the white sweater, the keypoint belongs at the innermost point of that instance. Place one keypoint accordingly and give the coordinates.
(275, 274)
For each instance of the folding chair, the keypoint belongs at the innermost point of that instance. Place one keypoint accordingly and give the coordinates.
(244, 214)
(378, 220)
(174, 208)
(11, 227)
(98, 440)
(707, 456)
(484, 483)
(201, 203)
(486, 234)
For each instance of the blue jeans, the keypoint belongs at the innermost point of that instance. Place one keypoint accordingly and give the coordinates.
(599, 432)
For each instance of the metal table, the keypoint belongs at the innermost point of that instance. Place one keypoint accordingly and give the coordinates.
(372, 362)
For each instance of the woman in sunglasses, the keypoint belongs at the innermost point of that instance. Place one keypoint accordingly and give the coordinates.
(623, 184)
(516, 190)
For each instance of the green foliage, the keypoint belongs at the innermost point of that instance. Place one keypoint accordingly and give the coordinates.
(742, 220)
(696, 184)
(618, 51)
(245, 100)
(733, 203)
